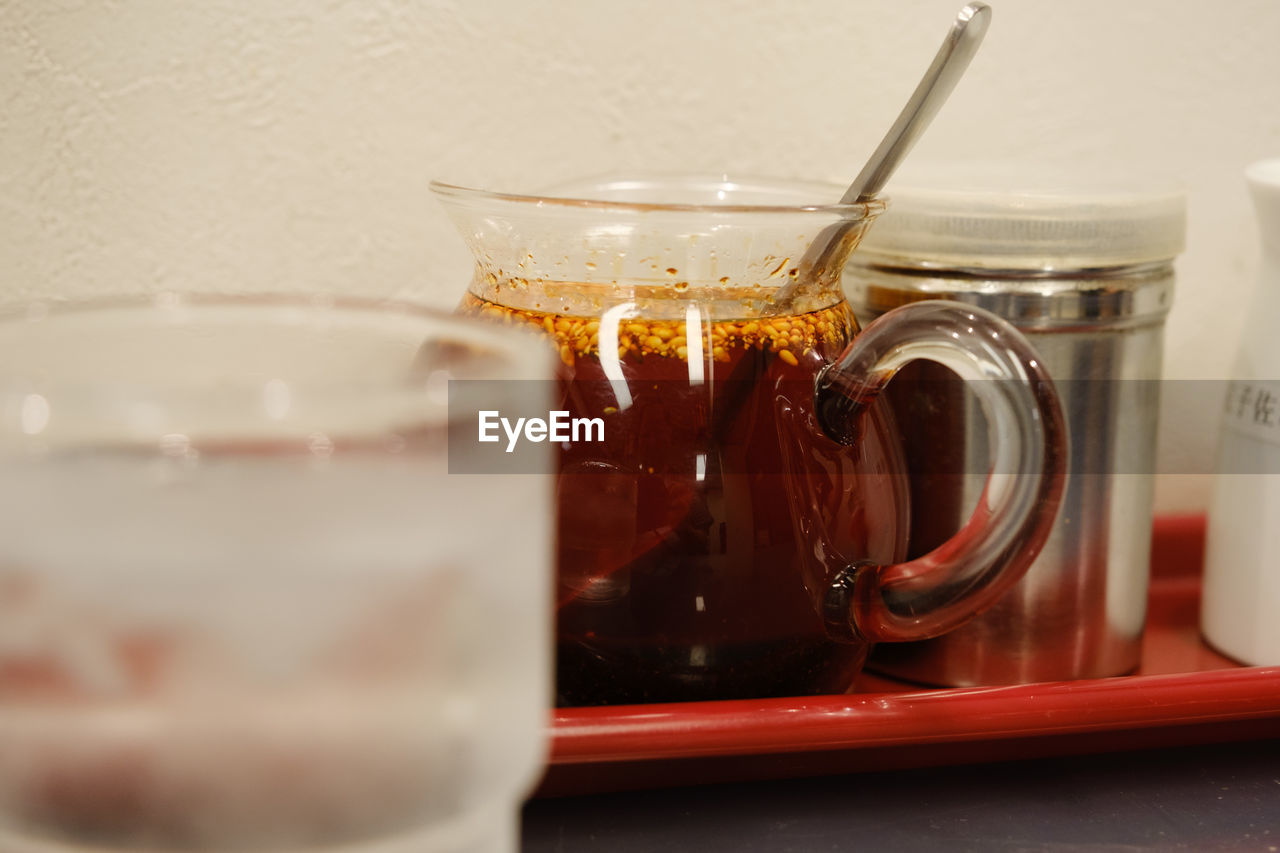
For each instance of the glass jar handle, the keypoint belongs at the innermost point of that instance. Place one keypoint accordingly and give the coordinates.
(941, 590)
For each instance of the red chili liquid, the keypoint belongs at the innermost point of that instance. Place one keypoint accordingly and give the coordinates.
(696, 540)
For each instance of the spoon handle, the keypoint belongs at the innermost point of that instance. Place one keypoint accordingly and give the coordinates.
(821, 263)
(946, 70)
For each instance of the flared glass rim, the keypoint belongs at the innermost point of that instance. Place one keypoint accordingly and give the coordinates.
(851, 211)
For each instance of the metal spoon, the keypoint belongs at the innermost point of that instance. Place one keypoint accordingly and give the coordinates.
(833, 245)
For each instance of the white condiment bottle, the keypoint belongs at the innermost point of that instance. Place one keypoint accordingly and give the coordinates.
(1240, 611)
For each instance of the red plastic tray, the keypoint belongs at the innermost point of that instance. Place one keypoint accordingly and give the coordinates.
(1184, 693)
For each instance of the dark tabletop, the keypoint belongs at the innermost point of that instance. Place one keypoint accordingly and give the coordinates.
(1224, 797)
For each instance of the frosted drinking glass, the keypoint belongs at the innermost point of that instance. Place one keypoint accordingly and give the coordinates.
(243, 604)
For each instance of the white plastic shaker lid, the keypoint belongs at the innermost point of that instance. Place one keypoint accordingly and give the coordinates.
(1017, 219)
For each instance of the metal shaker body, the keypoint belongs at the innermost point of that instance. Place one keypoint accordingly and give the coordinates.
(1079, 611)
(1089, 280)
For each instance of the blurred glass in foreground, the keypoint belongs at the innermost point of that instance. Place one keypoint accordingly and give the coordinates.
(243, 605)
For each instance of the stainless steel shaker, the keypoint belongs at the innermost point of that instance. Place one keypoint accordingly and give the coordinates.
(1088, 278)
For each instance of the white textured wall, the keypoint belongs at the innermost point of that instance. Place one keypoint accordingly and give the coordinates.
(288, 143)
